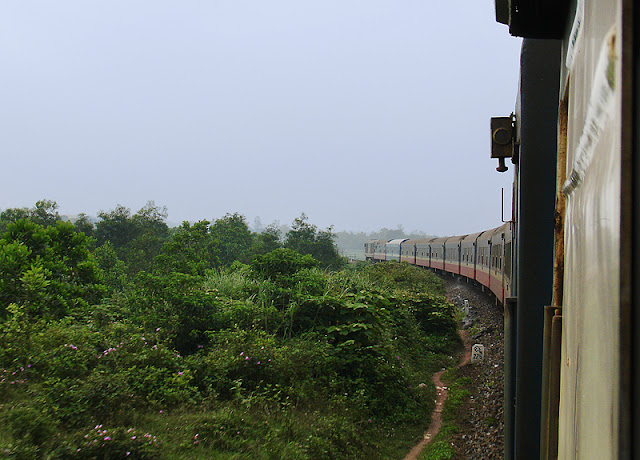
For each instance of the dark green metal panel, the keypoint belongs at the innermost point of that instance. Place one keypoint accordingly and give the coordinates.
(537, 118)
(510, 308)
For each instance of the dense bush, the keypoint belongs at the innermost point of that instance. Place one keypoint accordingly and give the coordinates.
(281, 266)
(265, 359)
(48, 270)
(405, 277)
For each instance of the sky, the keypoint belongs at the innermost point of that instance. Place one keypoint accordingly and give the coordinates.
(362, 114)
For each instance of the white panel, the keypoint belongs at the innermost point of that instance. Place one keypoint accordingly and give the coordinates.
(590, 342)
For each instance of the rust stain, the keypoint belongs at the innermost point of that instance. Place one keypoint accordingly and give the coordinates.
(561, 176)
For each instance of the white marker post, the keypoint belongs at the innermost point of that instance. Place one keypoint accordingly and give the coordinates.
(466, 308)
(477, 353)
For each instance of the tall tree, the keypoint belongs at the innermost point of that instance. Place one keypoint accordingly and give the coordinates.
(83, 224)
(138, 238)
(116, 226)
(152, 219)
(152, 233)
(114, 270)
(306, 239)
(266, 241)
(232, 237)
(45, 213)
(191, 250)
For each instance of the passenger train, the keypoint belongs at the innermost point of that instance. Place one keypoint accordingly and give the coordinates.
(485, 257)
(566, 266)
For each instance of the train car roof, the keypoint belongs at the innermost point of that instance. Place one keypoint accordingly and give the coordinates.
(503, 229)
(473, 237)
(455, 239)
(495, 230)
(418, 240)
(488, 234)
(397, 241)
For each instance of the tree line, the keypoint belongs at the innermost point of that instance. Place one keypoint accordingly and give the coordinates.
(122, 244)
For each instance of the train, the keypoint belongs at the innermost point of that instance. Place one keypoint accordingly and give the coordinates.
(484, 257)
(566, 266)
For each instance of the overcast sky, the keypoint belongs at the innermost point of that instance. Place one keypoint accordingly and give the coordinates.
(361, 113)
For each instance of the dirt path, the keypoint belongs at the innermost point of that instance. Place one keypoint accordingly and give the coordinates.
(441, 389)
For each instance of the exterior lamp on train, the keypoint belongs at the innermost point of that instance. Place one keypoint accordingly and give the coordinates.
(502, 140)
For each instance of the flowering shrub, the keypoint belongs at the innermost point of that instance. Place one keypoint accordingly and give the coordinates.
(18, 376)
(117, 443)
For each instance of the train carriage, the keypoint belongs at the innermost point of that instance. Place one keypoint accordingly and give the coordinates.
(369, 249)
(496, 263)
(379, 250)
(574, 301)
(453, 254)
(509, 266)
(423, 251)
(483, 253)
(468, 251)
(436, 246)
(408, 252)
(393, 249)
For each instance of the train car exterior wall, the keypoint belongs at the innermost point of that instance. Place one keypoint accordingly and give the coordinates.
(589, 411)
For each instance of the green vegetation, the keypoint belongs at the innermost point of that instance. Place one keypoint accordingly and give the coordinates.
(209, 341)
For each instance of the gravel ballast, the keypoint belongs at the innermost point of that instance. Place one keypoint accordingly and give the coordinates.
(481, 427)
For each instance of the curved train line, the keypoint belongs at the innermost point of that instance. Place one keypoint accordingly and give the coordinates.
(486, 257)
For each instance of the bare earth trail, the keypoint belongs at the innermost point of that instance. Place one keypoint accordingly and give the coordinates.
(480, 434)
(442, 393)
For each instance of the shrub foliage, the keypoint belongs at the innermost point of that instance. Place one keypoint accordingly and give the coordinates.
(202, 356)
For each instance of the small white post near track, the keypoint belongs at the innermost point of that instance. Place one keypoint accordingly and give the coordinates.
(477, 353)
